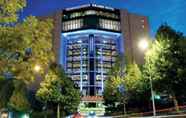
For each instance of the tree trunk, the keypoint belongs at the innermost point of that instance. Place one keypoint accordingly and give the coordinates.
(176, 103)
(45, 110)
(124, 107)
(58, 110)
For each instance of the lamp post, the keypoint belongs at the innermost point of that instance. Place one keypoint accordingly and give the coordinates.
(143, 45)
(58, 104)
(153, 101)
(37, 68)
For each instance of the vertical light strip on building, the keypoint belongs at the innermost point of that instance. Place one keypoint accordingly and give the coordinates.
(91, 43)
(102, 70)
(94, 48)
(81, 71)
(92, 65)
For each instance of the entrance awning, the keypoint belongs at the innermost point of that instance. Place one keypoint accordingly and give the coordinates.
(92, 99)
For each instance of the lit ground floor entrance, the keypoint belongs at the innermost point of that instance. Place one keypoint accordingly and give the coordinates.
(92, 105)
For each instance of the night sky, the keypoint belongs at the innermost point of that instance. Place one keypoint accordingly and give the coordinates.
(172, 12)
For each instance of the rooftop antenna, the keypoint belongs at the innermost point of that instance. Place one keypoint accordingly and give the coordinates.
(92, 2)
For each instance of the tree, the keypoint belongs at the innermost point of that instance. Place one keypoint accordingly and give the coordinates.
(133, 78)
(132, 82)
(165, 61)
(18, 101)
(71, 95)
(58, 89)
(123, 83)
(9, 9)
(111, 93)
(182, 69)
(24, 46)
(6, 90)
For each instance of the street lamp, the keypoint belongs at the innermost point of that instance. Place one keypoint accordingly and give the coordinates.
(37, 68)
(143, 45)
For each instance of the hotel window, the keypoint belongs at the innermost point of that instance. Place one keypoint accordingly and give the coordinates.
(108, 15)
(76, 53)
(69, 52)
(85, 77)
(99, 92)
(109, 24)
(107, 65)
(106, 70)
(84, 92)
(98, 77)
(107, 58)
(76, 77)
(69, 70)
(143, 26)
(99, 69)
(106, 46)
(84, 64)
(75, 14)
(114, 53)
(73, 24)
(90, 12)
(76, 70)
(77, 58)
(69, 64)
(76, 65)
(113, 47)
(69, 58)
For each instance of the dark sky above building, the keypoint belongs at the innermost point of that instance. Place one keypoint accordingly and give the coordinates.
(172, 12)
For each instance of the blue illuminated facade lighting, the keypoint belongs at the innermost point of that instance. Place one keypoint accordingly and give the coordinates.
(91, 37)
(87, 56)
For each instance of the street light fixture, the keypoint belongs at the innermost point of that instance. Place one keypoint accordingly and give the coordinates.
(143, 45)
(37, 68)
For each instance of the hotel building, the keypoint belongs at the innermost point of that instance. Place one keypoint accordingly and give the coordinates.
(87, 40)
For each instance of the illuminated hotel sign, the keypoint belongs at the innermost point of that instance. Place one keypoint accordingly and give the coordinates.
(89, 5)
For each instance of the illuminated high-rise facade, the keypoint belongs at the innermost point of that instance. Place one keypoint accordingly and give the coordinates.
(90, 41)
(87, 40)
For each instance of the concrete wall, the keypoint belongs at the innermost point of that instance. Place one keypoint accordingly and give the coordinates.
(56, 32)
(134, 27)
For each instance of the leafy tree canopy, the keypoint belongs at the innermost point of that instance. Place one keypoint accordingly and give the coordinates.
(164, 62)
(18, 101)
(24, 46)
(50, 87)
(129, 77)
(9, 10)
(133, 78)
(6, 90)
(57, 88)
(165, 59)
